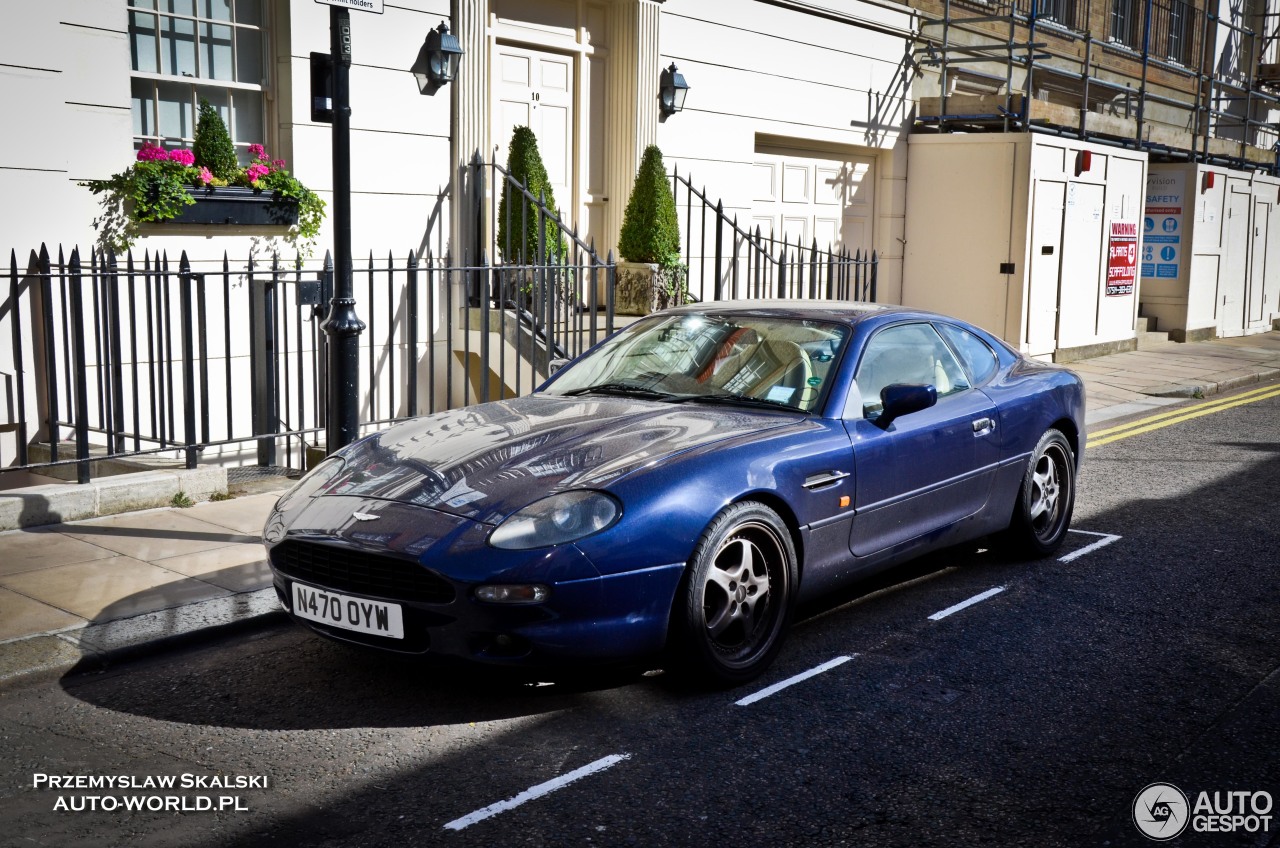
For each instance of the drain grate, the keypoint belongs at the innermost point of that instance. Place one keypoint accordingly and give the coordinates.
(250, 473)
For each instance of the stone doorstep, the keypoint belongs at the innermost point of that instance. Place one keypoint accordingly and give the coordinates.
(55, 503)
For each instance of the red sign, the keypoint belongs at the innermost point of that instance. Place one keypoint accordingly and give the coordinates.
(1122, 260)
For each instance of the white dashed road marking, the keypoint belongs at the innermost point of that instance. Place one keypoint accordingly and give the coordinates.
(537, 791)
(1107, 538)
(791, 681)
(976, 599)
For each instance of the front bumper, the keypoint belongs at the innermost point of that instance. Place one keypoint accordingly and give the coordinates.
(618, 617)
(588, 617)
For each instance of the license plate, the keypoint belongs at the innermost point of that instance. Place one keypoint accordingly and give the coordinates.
(350, 613)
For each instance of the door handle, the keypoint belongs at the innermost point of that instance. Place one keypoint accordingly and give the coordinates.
(821, 481)
(982, 426)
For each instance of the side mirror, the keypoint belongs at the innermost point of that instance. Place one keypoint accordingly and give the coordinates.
(899, 399)
(555, 365)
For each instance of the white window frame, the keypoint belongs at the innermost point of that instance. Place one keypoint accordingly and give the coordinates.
(222, 93)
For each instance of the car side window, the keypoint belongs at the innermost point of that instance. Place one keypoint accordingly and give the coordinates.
(913, 354)
(978, 356)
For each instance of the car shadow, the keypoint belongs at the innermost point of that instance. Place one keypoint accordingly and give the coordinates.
(283, 677)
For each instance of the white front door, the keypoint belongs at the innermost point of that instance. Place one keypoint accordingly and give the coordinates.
(802, 195)
(534, 88)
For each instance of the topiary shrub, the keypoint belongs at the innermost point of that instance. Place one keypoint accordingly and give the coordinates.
(650, 237)
(650, 231)
(518, 218)
(212, 147)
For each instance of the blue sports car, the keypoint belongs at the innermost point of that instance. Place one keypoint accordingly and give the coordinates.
(680, 487)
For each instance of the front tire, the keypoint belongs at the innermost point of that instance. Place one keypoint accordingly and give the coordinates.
(1042, 513)
(737, 597)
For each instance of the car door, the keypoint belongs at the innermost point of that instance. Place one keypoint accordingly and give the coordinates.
(925, 470)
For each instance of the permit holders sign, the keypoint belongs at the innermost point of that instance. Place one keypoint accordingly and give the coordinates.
(362, 615)
(1122, 259)
(374, 6)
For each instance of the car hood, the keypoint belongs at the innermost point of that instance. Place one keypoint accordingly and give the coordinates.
(485, 462)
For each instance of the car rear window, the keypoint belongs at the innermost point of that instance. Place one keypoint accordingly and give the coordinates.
(979, 359)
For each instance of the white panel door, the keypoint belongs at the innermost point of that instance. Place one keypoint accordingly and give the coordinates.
(804, 195)
(535, 89)
(1083, 248)
(1235, 265)
(1258, 263)
(1048, 204)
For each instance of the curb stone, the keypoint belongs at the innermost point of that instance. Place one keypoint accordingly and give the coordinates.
(1188, 390)
(97, 646)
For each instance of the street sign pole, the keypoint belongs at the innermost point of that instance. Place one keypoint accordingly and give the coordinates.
(342, 326)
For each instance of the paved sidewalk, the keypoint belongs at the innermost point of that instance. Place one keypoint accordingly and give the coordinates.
(89, 593)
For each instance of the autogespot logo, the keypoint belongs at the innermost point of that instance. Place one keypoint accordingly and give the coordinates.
(1160, 811)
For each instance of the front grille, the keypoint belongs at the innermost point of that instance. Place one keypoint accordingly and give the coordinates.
(352, 570)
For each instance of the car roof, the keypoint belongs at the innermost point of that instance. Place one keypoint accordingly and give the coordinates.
(845, 312)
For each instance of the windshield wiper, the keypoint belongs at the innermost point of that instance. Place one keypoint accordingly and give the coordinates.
(740, 400)
(626, 389)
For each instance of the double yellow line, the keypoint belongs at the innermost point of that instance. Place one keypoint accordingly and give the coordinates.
(1186, 413)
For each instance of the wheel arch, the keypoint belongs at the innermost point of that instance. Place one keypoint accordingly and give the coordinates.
(779, 505)
(1068, 428)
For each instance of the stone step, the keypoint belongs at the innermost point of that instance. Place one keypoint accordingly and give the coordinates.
(1148, 340)
(1145, 324)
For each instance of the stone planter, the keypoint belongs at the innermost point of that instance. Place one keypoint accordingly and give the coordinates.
(643, 287)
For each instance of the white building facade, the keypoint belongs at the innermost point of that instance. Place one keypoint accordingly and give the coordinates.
(796, 117)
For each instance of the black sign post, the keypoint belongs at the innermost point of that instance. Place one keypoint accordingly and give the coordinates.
(342, 325)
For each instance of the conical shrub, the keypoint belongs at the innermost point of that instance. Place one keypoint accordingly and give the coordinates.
(213, 148)
(518, 216)
(650, 230)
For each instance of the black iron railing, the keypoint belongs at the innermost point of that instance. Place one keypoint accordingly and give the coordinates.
(550, 284)
(226, 361)
(727, 261)
(120, 359)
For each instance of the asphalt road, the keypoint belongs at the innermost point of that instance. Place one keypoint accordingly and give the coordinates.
(1033, 716)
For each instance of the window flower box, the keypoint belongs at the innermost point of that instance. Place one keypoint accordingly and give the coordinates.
(237, 205)
(205, 185)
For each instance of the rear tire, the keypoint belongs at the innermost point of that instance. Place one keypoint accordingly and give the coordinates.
(735, 605)
(1046, 498)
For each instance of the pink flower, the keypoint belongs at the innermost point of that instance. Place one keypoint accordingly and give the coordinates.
(277, 164)
(206, 176)
(253, 172)
(151, 153)
(257, 151)
(183, 157)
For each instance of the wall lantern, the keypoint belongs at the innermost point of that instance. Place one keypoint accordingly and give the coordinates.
(671, 91)
(437, 63)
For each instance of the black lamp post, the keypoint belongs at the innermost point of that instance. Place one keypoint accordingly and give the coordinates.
(437, 62)
(671, 91)
(342, 325)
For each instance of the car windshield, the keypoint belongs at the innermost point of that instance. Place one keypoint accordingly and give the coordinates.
(748, 360)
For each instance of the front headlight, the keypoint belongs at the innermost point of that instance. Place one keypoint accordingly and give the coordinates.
(556, 520)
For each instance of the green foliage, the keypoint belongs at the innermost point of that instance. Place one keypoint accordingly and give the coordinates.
(650, 230)
(157, 187)
(181, 501)
(144, 193)
(310, 206)
(212, 146)
(518, 239)
(221, 496)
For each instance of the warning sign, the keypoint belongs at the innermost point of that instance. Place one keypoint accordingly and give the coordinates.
(1122, 259)
(1162, 225)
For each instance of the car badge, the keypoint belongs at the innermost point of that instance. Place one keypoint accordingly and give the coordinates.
(364, 516)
